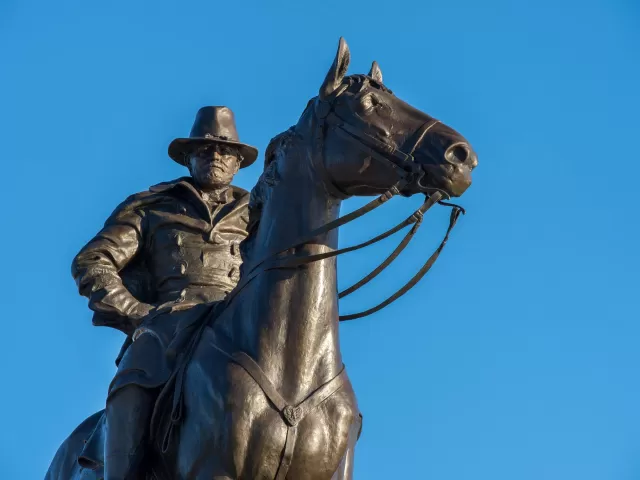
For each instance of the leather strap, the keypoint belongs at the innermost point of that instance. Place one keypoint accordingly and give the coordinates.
(297, 260)
(258, 375)
(388, 261)
(177, 406)
(271, 256)
(405, 162)
(455, 213)
(422, 131)
(317, 397)
(369, 207)
(294, 261)
(292, 415)
(287, 454)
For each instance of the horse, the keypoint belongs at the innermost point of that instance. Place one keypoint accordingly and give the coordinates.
(264, 393)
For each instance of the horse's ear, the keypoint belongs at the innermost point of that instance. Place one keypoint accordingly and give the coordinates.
(337, 71)
(375, 72)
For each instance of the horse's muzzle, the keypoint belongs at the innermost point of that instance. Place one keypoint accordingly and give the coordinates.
(453, 179)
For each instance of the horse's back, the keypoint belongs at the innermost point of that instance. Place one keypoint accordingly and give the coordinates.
(65, 463)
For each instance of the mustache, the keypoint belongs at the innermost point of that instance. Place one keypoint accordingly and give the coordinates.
(214, 164)
(214, 170)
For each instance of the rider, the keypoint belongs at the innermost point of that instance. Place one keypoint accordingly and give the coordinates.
(163, 257)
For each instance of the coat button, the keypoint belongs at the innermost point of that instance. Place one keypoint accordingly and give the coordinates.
(235, 249)
(183, 268)
(179, 239)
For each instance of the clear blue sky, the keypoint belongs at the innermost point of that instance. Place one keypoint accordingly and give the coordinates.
(515, 359)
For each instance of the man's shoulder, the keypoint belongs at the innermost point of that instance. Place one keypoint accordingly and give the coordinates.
(138, 201)
(164, 187)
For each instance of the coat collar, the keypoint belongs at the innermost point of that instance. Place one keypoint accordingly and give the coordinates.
(184, 187)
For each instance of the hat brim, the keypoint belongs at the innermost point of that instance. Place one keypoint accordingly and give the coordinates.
(181, 147)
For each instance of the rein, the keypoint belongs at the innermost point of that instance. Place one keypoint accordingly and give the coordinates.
(409, 172)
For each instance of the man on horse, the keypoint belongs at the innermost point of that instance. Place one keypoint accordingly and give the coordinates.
(163, 258)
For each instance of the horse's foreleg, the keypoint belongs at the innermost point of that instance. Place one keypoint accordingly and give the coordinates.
(345, 469)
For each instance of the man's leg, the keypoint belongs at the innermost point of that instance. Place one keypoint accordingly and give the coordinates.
(128, 414)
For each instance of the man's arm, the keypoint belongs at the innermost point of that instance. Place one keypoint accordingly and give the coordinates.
(95, 269)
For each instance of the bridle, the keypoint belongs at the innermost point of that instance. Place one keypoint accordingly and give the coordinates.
(409, 172)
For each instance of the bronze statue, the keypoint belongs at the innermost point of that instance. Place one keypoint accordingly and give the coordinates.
(259, 390)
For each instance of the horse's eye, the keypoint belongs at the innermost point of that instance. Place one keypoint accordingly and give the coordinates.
(369, 103)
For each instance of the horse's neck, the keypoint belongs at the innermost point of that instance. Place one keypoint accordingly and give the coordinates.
(287, 319)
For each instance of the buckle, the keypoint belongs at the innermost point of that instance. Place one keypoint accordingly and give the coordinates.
(292, 414)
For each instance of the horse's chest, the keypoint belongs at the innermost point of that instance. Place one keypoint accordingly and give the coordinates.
(247, 437)
(307, 440)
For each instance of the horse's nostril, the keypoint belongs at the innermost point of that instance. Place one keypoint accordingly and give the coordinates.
(474, 161)
(457, 154)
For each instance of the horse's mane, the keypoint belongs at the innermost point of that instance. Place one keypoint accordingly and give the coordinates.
(261, 192)
(269, 177)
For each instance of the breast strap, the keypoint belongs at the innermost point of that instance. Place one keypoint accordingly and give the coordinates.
(292, 415)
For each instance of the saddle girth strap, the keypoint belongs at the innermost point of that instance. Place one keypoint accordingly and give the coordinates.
(292, 415)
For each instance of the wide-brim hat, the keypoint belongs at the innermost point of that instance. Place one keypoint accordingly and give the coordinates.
(212, 125)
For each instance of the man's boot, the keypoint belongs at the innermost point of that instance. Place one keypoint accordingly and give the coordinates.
(128, 414)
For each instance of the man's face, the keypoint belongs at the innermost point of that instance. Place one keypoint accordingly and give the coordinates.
(214, 166)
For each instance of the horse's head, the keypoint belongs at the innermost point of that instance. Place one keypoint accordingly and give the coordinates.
(355, 138)
(370, 138)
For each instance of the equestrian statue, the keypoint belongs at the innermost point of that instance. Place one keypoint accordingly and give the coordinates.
(232, 366)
